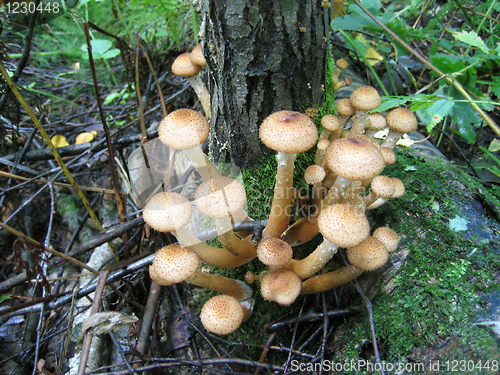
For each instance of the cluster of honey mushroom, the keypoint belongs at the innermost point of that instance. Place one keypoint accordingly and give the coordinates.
(346, 182)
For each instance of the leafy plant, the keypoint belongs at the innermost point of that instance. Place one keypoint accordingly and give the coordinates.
(468, 52)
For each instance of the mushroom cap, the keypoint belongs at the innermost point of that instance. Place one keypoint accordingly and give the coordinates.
(354, 158)
(388, 154)
(343, 224)
(341, 63)
(287, 131)
(220, 197)
(323, 144)
(330, 122)
(314, 174)
(399, 188)
(365, 98)
(345, 108)
(281, 286)
(196, 56)
(402, 120)
(167, 212)
(222, 314)
(377, 122)
(173, 264)
(388, 237)
(383, 186)
(183, 129)
(183, 66)
(274, 252)
(368, 255)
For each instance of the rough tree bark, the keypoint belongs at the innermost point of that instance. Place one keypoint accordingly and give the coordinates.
(263, 56)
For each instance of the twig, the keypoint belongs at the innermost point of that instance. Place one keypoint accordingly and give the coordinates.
(114, 174)
(310, 317)
(325, 329)
(87, 341)
(148, 317)
(122, 354)
(369, 308)
(26, 53)
(265, 351)
(36, 180)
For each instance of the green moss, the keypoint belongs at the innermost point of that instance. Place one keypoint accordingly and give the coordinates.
(437, 293)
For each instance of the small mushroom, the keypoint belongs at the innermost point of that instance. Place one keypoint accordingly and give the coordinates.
(281, 286)
(289, 133)
(185, 129)
(368, 255)
(400, 120)
(221, 198)
(364, 99)
(183, 67)
(222, 315)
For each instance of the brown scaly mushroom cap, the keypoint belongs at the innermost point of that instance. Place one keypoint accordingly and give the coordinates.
(354, 158)
(183, 66)
(377, 122)
(368, 255)
(382, 186)
(274, 252)
(183, 129)
(402, 120)
(365, 98)
(282, 286)
(220, 197)
(289, 132)
(173, 264)
(399, 188)
(222, 314)
(343, 225)
(345, 108)
(196, 56)
(389, 155)
(314, 174)
(330, 122)
(167, 212)
(388, 237)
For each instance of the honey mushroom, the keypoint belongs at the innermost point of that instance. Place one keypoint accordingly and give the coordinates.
(173, 264)
(221, 198)
(289, 133)
(184, 67)
(185, 129)
(171, 212)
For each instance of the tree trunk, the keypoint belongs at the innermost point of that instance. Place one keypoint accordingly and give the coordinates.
(263, 56)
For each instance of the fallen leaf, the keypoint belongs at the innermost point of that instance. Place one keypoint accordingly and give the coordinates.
(59, 140)
(85, 137)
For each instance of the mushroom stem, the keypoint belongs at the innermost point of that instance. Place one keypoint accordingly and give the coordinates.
(220, 284)
(232, 243)
(359, 122)
(283, 195)
(330, 280)
(392, 138)
(202, 92)
(308, 266)
(200, 161)
(218, 257)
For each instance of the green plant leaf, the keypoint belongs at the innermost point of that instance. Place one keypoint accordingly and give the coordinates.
(472, 39)
(494, 145)
(433, 115)
(4, 298)
(101, 49)
(390, 102)
(464, 117)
